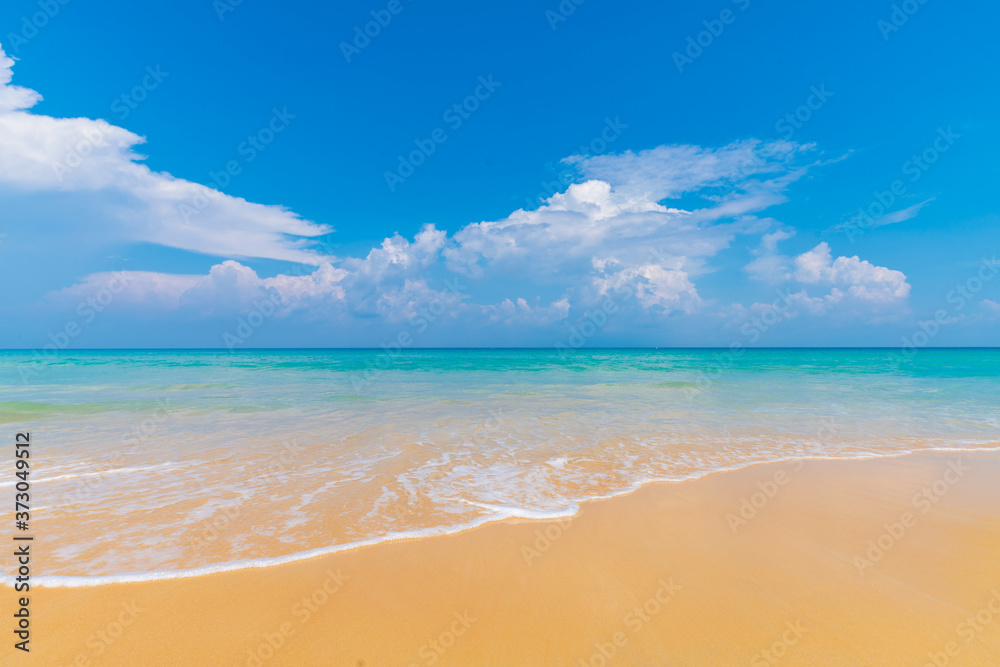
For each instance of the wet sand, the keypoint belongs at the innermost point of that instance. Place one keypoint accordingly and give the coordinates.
(890, 561)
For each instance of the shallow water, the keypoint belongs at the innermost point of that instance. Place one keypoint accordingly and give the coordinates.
(148, 463)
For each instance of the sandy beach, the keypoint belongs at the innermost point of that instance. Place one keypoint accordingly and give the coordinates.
(889, 561)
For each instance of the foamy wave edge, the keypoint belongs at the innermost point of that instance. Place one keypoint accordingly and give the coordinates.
(502, 512)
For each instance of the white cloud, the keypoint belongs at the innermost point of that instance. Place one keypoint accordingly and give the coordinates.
(97, 160)
(769, 265)
(863, 281)
(614, 233)
(902, 215)
(520, 313)
(228, 287)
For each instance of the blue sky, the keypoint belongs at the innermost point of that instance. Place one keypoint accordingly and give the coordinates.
(533, 174)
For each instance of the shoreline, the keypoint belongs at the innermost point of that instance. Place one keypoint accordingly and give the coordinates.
(86, 581)
(787, 574)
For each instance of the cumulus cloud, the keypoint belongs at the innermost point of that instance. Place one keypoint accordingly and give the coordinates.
(520, 313)
(596, 240)
(770, 265)
(98, 162)
(861, 279)
(228, 287)
(641, 228)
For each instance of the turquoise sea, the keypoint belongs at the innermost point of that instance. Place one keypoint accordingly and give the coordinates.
(155, 463)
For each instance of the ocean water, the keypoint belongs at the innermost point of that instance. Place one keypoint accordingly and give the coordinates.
(151, 464)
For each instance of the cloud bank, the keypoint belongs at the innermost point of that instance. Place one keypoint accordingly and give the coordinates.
(638, 230)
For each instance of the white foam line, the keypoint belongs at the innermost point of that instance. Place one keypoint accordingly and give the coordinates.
(502, 512)
(512, 512)
(98, 473)
(62, 581)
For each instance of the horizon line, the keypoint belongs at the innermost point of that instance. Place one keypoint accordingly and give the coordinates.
(389, 348)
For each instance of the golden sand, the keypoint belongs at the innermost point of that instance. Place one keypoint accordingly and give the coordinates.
(874, 562)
